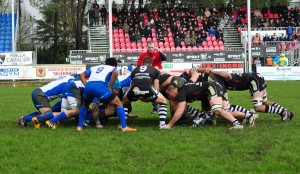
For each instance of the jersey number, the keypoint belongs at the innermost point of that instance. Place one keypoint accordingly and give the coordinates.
(99, 70)
(143, 68)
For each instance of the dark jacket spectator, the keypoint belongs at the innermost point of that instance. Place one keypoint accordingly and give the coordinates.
(103, 13)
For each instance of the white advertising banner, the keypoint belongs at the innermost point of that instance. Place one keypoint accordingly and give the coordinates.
(279, 72)
(21, 58)
(39, 72)
(176, 68)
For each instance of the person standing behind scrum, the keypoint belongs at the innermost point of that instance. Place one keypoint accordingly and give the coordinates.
(157, 58)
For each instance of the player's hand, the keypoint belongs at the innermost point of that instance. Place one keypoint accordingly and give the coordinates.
(164, 126)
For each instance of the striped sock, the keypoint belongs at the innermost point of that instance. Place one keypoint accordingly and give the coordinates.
(163, 110)
(272, 109)
(235, 122)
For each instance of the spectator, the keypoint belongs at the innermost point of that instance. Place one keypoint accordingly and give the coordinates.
(138, 36)
(96, 14)
(199, 40)
(269, 61)
(177, 41)
(187, 40)
(207, 13)
(256, 39)
(204, 35)
(266, 38)
(126, 27)
(115, 24)
(160, 37)
(222, 9)
(257, 63)
(133, 9)
(273, 8)
(133, 38)
(283, 37)
(265, 10)
(271, 23)
(275, 60)
(91, 13)
(283, 61)
(148, 31)
(274, 38)
(212, 31)
(103, 12)
(289, 30)
(193, 40)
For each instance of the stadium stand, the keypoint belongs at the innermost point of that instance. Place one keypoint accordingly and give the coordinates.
(6, 31)
(173, 21)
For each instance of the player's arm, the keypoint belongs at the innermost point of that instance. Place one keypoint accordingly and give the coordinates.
(163, 57)
(156, 84)
(114, 76)
(178, 113)
(83, 77)
(223, 74)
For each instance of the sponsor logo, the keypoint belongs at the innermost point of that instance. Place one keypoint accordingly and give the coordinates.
(2, 59)
(9, 72)
(219, 54)
(40, 72)
(234, 56)
(178, 55)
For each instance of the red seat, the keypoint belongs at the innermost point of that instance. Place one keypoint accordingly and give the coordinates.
(211, 48)
(215, 43)
(161, 44)
(217, 48)
(166, 44)
(183, 48)
(271, 15)
(208, 38)
(162, 49)
(221, 43)
(178, 49)
(172, 44)
(205, 48)
(149, 39)
(166, 39)
(144, 39)
(200, 48)
(172, 49)
(115, 31)
(204, 43)
(213, 38)
(222, 48)
(209, 43)
(133, 45)
(276, 16)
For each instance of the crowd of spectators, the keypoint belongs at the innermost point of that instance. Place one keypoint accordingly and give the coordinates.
(169, 25)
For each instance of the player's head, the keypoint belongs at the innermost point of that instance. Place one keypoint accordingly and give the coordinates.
(172, 91)
(147, 61)
(111, 61)
(150, 46)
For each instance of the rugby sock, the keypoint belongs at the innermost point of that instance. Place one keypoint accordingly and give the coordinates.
(121, 115)
(195, 112)
(278, 106)
(89, 116)
(28, 118)
(59, 117)
(155, 106)
(32, 114)
(235, 122)
(82, 115)
(126, 111)
(163, 110)
(45, 116)
(238, 108)
(56, 107)
(272, 109)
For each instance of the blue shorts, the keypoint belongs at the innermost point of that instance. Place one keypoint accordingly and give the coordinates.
(96, 89)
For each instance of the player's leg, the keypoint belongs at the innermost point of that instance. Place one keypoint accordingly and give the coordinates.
(71, 108)
(216, 107)
(163, 109)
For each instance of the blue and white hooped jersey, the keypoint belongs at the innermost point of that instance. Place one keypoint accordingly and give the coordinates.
(124, 80)
(100, 73)
(53, 89)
